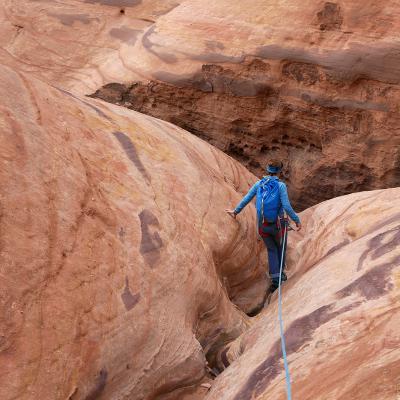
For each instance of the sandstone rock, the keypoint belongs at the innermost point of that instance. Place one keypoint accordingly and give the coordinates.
(120, 278)
(77, 45)
(118, 263)
(340, 308)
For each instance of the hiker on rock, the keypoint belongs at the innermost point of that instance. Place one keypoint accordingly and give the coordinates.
(271, 202)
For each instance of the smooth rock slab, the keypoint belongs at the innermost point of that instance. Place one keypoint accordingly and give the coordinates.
(340, 310)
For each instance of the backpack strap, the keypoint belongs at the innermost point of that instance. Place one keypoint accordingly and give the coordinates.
(266, 180)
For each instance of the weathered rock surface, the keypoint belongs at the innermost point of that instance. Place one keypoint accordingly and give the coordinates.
(78, 45)
(118, 264)
(340, 307)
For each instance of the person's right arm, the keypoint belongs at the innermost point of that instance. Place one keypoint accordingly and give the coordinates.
(246, 200)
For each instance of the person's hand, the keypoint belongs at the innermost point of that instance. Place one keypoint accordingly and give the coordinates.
(232, 213)
(298, 226)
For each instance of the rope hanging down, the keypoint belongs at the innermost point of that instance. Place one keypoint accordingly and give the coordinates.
(283, 345)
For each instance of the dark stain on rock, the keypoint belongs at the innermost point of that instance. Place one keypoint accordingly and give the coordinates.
(99, 385)
(129, 299)
(358, 61)
(151, 241)
(132, 154)
(166, 10)
(385, 242)
(96, 109)
(116, 3)
(213, 45)
(70, 19)
(298, 334)
(330, 17)
(362, 258)
(260, 378)
(93, 107)
(168, 58)
(125, 34)
(380, 245)
(385, 222)
(121, 233)
(148, 44)
(301, 330)
(337, 247)
(373, 284)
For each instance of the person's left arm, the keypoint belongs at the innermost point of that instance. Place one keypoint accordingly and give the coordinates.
(286, 203)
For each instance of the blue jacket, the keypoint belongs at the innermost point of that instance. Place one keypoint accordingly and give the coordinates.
(285, 203)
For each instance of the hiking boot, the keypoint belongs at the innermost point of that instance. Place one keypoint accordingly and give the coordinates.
(275, 282)
(274, 285)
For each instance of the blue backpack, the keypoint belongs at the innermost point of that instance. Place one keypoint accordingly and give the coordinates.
(268, 202)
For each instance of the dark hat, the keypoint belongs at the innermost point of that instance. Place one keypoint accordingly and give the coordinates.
(273, 169)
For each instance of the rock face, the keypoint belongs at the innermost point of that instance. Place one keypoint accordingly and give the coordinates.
(120, 272)
(77, 45)
(313, 83)
(340, 309)
(121, 275)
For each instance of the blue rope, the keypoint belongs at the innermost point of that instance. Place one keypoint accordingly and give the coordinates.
(283, 345)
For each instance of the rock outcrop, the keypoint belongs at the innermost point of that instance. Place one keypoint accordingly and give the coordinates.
(121, 274)
(340, 309)
(314, 83)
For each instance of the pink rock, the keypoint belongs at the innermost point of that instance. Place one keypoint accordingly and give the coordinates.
(119, 265)
(340, 310)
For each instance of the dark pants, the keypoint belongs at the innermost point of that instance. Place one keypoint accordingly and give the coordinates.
(272, 237)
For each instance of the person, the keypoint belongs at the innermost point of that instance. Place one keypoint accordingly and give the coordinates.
(271, 202)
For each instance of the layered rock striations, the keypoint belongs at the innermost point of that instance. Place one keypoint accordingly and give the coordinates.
(340, 311)
(121, 273)
(78, 45)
